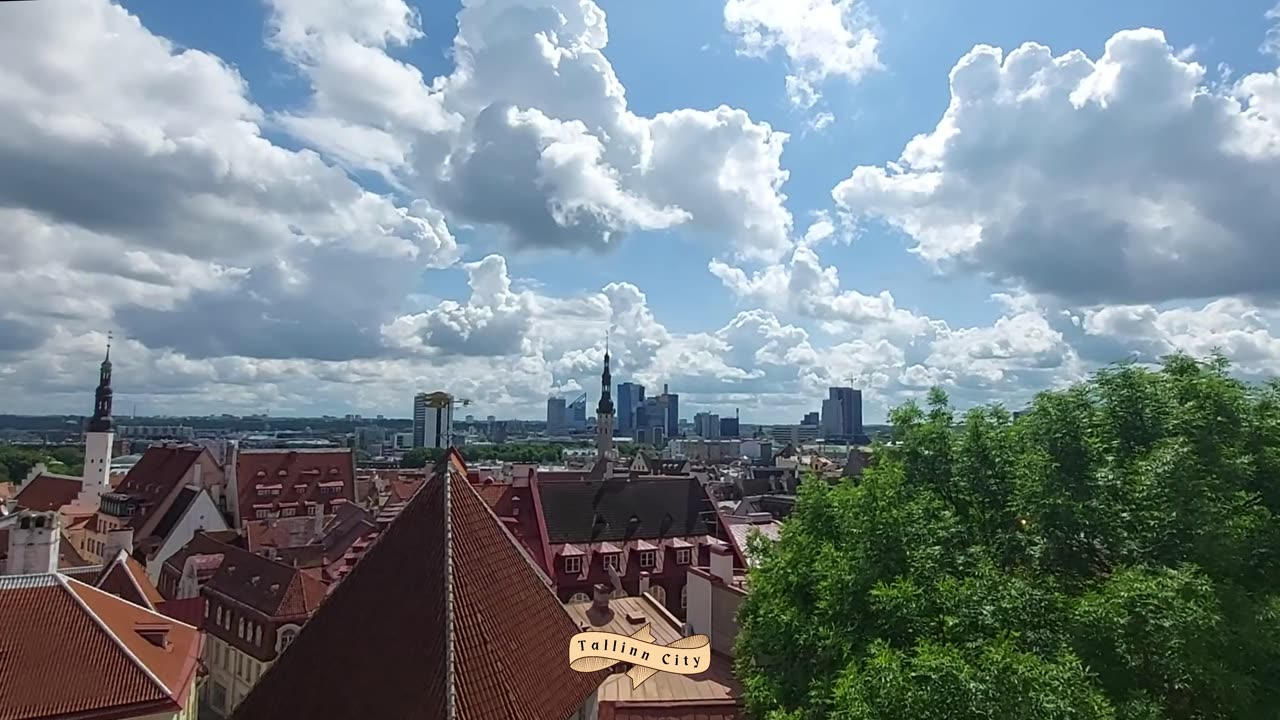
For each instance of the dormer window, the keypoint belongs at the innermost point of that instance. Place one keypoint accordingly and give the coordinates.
(682, 556)
(647, 558)
(573, 564)
(611, 561)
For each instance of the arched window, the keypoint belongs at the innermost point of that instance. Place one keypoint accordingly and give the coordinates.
(619, 593)
(257, 634)
(684, 597)
(286, 637)
(658, 594)
(580, 598)
(219, 614)
(240, 628)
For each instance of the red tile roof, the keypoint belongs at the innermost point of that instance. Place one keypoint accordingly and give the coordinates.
(47, 492)
(712, 710)
(275, 479)
(125, 578)
(506, 630)
(90, 641)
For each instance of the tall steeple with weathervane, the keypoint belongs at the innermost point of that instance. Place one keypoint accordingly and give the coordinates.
(604, 411)
(100, 435)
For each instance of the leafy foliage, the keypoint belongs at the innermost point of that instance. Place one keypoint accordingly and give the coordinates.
(16, 462)
(1112, 553)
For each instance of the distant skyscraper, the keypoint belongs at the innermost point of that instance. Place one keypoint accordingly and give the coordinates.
(432, 420)
(555, 415)
(671, 404)
(811, 419)
(842, 413)
(578, 414)
(729, 427)
(630, 398)
(707, 425)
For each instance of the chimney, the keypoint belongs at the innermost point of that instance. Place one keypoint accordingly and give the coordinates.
(197, 470)
(319, 516)
(600, 598)
(644, 581)
(34, 544)
(722, 563)
(232, 491)
(117, 540)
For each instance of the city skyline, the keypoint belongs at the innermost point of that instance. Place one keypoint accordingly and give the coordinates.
(831, 225)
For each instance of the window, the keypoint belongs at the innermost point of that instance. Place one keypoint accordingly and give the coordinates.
(611, 561)
(682, 556)
(647, 558)
(219, 697)
(658, 594)
(619, 593)
(263, 514)
(219, 614)
(580, 598)
(289, 512)
(684, 597)
(257, 634)
(573, 564)
(286, 637)
(239, 663)
(240, 628)
(311, 509)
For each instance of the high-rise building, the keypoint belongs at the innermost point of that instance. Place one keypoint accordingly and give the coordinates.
(842, 414)
(578, 414)
(432, 420)
(811, 419)
(630, 398)
(671, 406)
(707, 425)
(556, 421)
(729, 427)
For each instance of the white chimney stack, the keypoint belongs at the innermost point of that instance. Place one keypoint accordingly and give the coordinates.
(34, 543)
(722, 563)
(644, 581)
(117, 540)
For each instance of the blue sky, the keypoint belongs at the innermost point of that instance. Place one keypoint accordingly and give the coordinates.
(325, 313)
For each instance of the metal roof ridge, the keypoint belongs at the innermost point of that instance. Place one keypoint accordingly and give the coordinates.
(443, 475)
(66, 585)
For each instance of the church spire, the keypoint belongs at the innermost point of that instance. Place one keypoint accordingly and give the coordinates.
(101, 421)
(604, 411)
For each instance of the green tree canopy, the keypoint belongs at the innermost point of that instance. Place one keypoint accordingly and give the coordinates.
(1112, 553)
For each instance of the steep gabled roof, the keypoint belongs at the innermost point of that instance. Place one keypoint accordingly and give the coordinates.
(125, 578)
(454, 621)
(97, 647)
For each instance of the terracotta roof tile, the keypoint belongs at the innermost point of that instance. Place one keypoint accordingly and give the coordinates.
(47, 492)
(89, 640)
(508, 632)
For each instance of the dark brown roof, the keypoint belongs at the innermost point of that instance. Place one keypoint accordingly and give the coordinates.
(598, 511)
(275, 479)
(155, 481)
(47, 492)
(90, 641)
(272, 588)
(203, 542)
(125, 578)
(507, 632)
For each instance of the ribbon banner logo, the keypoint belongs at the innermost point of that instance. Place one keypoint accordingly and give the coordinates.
(592, 651)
